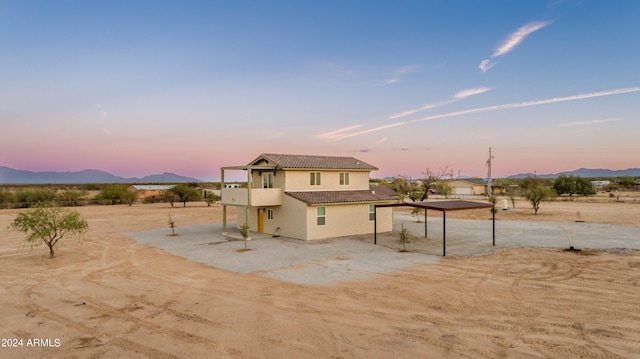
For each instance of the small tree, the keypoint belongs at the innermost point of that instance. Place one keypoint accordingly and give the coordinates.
(404, 238)
(172, 225)
(169, 197)
(210, 199)
(416, 212)
(244, 231)
(49, 225)
(537, 193)
(443, 188)
(626, 182)
(584, 187)
(573, 185)
(185, 193)
(403, 187)
(565, 184)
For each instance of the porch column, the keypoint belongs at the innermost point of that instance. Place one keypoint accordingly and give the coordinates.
(248, 208)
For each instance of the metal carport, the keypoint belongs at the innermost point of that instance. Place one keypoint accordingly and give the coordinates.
(442, 206)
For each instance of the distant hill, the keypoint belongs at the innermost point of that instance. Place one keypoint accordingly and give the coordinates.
(13, 176)
(586, 172)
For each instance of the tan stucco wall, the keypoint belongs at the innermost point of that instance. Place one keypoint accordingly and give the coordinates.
(347, 220)
(297, 220)
(330, 181)
(290, 217)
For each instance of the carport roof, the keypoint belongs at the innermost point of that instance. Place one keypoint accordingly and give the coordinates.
(455, 205)
(442, 206)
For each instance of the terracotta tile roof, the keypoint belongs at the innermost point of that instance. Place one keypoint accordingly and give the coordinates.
(314, 162)
(326, 197)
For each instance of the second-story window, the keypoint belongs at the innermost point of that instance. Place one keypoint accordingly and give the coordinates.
(314, 178)
(267, 180)
(344, 178)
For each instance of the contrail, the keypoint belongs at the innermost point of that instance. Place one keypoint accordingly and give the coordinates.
(531, 103)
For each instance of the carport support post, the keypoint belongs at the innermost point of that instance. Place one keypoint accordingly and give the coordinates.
(375, 224)
(493, 219)
(425, 223)
(444, 233)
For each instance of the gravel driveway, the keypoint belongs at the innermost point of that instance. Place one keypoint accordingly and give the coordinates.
(354, 258)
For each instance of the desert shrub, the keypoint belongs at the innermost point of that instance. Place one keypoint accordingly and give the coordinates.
(26, 198)
(71, 198)
(7, 199)
(115, 194)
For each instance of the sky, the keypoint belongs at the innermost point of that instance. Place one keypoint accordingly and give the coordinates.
(137, 88)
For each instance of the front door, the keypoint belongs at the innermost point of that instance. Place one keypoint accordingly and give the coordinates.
(260, 220)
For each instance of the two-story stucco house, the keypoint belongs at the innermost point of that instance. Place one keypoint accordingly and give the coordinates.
(308, 197)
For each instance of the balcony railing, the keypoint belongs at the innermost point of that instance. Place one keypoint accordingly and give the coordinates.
(259, 197)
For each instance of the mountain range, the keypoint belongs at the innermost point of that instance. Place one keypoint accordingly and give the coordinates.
(13, 176)
(586, 172)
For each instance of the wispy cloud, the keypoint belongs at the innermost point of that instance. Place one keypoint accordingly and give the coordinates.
(343, 133)
(517, 37)
(511, 42)
(383, 139)
(104, 116)
(458, 96)
(470, 92)
(397, 74)
(532, 103)
(415, 110)
(583, 123)
(337, 133)
(486, 65)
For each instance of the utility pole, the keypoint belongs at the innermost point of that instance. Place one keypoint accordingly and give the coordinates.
(489, 184)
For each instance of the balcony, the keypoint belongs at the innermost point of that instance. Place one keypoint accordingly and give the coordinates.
(259, 197)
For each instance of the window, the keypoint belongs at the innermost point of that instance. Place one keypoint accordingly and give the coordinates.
(267, 180)
(344, 178)
(270, 214)
(321, 216)
(372, 212)
(314, 178)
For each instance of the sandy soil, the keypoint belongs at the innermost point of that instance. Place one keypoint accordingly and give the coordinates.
(111, 297)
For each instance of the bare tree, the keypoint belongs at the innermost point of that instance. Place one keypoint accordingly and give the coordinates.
(431, 179)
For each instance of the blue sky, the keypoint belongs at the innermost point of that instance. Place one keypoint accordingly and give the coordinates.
(142, 87)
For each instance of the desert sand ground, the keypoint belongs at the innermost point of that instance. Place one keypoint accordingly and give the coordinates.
(111, 297)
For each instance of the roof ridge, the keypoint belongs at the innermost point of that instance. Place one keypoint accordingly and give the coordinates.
(315, 161)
